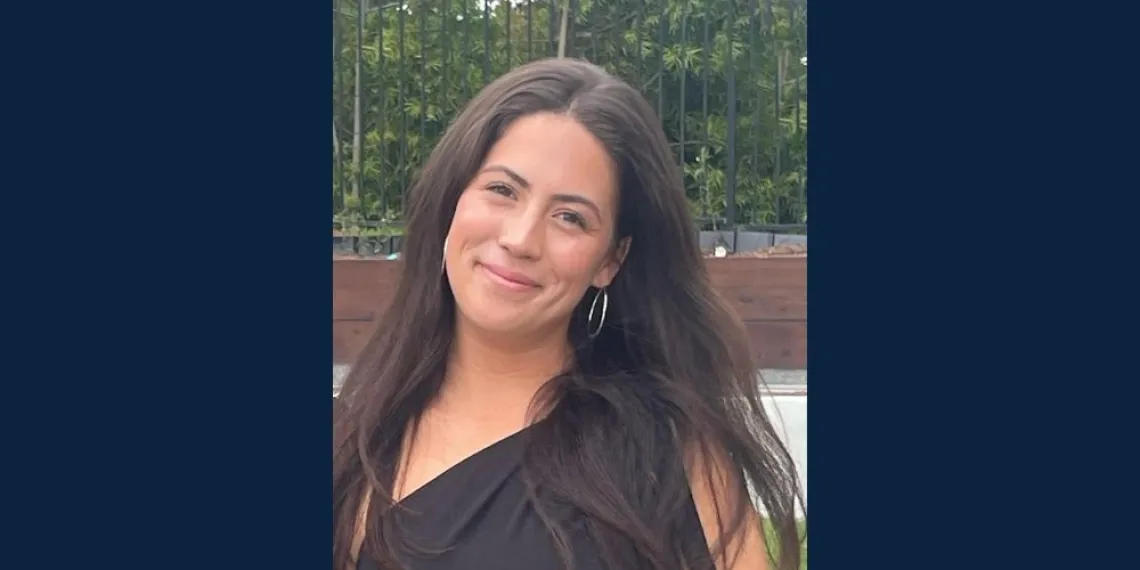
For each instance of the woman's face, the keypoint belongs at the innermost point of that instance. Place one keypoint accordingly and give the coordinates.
(534, 228)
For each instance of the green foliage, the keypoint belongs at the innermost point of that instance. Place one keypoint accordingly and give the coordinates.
(415, 83)
(773, 541)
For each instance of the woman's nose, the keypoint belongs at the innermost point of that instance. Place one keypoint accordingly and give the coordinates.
(521, 234)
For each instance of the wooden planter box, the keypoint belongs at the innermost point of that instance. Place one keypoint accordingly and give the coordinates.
(770, 295)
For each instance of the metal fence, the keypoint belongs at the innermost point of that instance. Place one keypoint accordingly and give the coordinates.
(728, 79)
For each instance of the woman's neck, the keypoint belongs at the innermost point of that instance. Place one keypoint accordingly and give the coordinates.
(493, 379)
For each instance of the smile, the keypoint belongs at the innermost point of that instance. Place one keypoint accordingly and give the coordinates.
(507, 279)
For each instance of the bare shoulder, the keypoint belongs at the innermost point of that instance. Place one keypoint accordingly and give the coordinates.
(731, 523)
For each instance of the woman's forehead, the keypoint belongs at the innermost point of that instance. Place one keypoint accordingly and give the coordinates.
(554, 153)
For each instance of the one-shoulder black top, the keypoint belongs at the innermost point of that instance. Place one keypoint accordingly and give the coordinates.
(479, 512)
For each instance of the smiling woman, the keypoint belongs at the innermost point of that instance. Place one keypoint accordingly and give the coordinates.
(534, 229)
(556, 384)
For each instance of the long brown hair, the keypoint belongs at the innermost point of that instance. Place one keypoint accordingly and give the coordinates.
(672, 363)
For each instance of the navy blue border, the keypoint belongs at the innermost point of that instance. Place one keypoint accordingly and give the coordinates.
(178, 337)
(923, 377)
(175, 183)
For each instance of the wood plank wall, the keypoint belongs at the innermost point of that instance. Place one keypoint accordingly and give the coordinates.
(769, 293)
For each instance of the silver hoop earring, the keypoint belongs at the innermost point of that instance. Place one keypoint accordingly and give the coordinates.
(443, 263)
(605, 296)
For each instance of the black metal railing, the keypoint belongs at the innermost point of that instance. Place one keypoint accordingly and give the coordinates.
(728, 79)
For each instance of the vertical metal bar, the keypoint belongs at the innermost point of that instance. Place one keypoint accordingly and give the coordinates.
(358, 112)
(466, 51)
(529, 30)
(423, 9)
(792, 15)
(594, 32)
(445, 32)
(684, 72)
(777, 171)
(507, 6)
(572, 28)
(753, 78)
(616, 34)
(382, 123)
(773, 45)
(486, 41)
(338, 86)
(638, 24)
(730, 173)
(796, 98)
(802, 205)
(774, 49)
(563, 21)
(706, 47)
(662, 26)
(401, 75)
(552, 31)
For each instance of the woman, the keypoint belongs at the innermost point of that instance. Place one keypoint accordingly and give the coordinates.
(556, 384)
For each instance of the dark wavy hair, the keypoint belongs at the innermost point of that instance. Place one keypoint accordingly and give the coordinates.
(670, 371)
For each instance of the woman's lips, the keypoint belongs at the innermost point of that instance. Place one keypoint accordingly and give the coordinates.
(512, 280)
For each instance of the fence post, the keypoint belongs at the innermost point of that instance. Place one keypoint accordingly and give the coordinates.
(730, 173)
(486, 42)
(563, 30)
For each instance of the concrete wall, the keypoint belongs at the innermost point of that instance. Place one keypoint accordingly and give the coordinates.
(788, 414)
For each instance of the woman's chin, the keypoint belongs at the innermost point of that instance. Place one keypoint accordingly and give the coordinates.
(495, 321)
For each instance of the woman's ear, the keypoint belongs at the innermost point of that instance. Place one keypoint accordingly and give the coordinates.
(613, 263)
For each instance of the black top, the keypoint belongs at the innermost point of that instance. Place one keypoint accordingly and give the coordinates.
(478, 512)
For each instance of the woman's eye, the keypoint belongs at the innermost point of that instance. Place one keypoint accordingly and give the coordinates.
(501, 189)
(573, 218)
